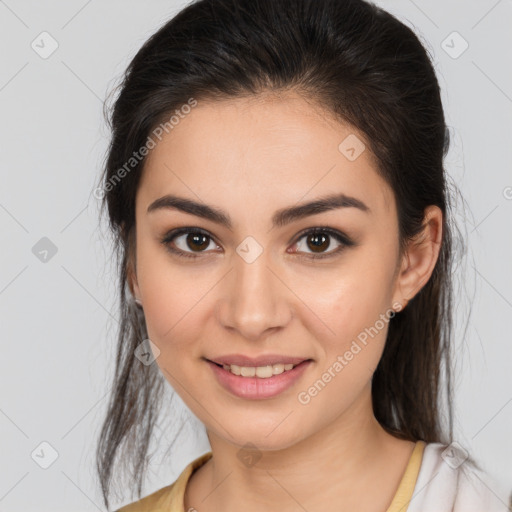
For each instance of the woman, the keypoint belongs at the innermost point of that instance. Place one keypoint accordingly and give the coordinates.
(276, 189)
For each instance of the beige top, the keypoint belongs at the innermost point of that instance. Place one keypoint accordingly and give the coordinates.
(171, 497)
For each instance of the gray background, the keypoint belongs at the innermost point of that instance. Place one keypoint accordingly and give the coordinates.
(58, 317)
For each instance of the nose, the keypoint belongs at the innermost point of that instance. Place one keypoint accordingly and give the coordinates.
(255, 301)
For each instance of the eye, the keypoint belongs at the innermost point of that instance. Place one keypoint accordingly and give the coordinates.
(318, 240)
(185, 239)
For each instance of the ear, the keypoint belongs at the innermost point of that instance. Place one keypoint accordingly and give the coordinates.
(131, 277)
(420, 257)
(131, 267)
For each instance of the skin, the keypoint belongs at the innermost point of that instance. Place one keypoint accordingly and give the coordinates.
(251, 157)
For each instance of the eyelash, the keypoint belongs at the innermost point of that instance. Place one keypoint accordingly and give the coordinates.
(338, 236)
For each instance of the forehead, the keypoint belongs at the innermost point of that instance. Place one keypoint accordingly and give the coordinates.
(264, 149)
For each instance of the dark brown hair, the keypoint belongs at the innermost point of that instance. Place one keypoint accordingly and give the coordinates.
(369, 70)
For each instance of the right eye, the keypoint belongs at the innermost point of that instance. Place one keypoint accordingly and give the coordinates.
(179, 241)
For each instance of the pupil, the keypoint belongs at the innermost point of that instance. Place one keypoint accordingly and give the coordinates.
(314, 239)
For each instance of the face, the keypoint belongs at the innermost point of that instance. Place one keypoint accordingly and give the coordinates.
(255, 274)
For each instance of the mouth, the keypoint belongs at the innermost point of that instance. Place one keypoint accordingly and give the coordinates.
(258, 382)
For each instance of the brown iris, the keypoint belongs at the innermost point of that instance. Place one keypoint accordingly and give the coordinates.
(199, 240)
(319, 242)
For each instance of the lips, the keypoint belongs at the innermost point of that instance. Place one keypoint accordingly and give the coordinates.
(263, 360)
(257, 388)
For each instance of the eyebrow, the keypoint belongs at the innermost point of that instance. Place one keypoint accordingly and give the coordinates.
(280, 218)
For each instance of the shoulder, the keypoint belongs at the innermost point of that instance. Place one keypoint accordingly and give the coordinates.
(450, 480)
(151, 502)
(171, 497)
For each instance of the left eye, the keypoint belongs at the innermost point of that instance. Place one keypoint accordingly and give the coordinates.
(319, 240)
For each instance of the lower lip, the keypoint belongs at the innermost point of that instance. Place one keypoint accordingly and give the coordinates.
(256, 388)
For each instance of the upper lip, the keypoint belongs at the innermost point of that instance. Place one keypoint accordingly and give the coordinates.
(263, 360)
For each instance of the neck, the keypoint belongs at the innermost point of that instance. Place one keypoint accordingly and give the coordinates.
(337, 465)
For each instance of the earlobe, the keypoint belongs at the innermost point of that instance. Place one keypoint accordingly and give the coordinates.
(420, 258)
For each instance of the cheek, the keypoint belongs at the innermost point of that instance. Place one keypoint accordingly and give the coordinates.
(172, 297)
(349, 355)
(354, 303)
(350, 299)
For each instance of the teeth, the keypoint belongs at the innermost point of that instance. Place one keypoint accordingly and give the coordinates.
(263, 372)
